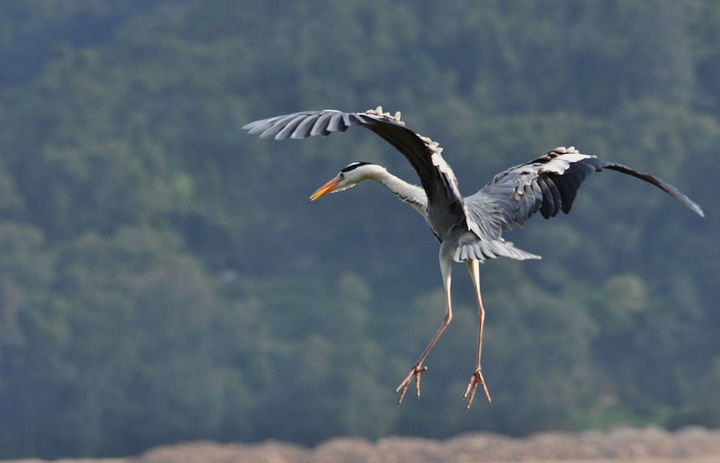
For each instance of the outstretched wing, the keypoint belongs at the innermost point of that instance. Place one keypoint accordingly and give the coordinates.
(436, 176)
(548, 185)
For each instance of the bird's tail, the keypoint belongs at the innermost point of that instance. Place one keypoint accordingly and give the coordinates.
(470, 247)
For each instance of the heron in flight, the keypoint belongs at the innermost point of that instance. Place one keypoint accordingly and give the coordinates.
(470, 228)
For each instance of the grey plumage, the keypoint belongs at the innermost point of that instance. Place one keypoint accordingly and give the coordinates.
(470, 228)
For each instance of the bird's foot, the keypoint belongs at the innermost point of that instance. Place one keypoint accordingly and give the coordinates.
(475, 379)
(415, 373)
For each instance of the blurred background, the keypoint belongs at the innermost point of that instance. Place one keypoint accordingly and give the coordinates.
(164, 278)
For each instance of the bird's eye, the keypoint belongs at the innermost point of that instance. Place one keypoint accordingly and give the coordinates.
(341, 176)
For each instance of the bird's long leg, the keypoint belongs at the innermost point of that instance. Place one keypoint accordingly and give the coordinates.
(477, 377)
(419, 368)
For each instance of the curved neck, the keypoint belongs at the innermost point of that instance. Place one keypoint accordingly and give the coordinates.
(412, 195)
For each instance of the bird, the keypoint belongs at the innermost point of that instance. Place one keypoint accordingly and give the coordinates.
(469, 229)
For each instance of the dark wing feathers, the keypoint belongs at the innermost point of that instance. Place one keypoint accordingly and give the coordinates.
(551, 197)
(411, 146)
(558, 174)
(564, 186)
(321, 123)
(435, 174)
(570, 183)
(666, 187)
(547, 185)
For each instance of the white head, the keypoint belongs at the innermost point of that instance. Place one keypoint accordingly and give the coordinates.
(350, 176)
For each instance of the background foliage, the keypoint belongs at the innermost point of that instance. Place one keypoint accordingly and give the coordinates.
(163, 276)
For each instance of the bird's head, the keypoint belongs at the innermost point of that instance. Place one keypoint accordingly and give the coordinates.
(350, 176)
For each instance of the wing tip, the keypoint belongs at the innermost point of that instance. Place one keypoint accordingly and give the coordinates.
(696, 208)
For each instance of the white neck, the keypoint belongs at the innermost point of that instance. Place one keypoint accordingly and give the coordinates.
(410, 194)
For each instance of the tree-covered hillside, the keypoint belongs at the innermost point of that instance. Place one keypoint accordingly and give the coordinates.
(163, 276)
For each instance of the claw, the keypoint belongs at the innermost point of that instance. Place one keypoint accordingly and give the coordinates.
(415, 373)
(475, 379)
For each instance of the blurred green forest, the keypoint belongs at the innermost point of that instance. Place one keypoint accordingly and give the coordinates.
(163, 276)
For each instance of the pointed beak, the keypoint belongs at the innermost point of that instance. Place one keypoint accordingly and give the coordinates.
(325, 189)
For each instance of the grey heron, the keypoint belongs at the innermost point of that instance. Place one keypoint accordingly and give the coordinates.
(470, 228)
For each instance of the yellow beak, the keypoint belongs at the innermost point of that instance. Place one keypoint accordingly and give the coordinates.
(325, 189)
